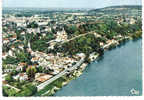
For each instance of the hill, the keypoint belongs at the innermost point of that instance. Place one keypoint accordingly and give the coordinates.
(116, 10)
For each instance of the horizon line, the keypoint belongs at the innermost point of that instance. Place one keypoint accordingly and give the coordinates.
(71, 7)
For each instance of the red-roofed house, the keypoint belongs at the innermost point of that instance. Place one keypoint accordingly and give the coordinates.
(21, 66)
(5, 40)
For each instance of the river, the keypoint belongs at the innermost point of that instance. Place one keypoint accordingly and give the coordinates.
(115, 74)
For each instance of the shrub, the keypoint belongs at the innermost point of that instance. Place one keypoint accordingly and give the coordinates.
(31, 72)
(27, 90)
(10, 60)
(9, 91)
(9, 78)
(14, 72)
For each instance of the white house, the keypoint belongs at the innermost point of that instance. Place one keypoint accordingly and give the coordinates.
(20, 66)
(23, 33)
(10, 53)
(21, 77)
(4, 55)
(5, 40)
(21, 46)
(61, 35)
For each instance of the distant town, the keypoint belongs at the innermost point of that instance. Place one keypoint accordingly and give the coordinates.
(44, 49)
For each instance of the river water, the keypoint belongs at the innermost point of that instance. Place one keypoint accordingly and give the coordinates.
(115, 74)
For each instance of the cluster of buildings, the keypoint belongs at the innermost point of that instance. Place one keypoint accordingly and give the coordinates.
(14, 41)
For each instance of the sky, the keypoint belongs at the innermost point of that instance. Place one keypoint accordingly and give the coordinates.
(68, 3)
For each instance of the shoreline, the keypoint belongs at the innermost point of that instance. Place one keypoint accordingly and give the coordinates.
(78, 72)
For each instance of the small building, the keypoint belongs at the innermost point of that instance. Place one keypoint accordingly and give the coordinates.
(34, 59)
(41, 77)
(13, 47)
(4, 55)
(7, 70)
(5, 40)
(55, 72)
(81, 55)
(101, 44)
(21, 66)
(21, 46)
(10, 53)
(13, 37)
(22, 33)
(21, 77)
(61, 35)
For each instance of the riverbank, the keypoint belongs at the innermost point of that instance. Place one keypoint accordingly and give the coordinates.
(50, 89)
(76, 73)
(115, 73)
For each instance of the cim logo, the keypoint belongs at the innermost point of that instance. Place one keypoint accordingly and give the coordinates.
(134, 92)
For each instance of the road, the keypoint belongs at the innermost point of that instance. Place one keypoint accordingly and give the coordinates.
(12, 87)
(79, 36)
(73, 37)
(66, 71)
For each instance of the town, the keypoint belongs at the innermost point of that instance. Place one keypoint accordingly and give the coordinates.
(41, 47)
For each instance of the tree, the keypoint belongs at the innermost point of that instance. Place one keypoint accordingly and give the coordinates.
(14, 72)
(31, 72)
(4, 91)
(27, 90)
(9, 91)
(137, 35)
(18, 34)
(32, 25)
(10, 60)
(24, 57)
(40, 69)
(87, 59)
(9, 78)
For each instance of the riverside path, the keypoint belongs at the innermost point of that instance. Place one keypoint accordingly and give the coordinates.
(66, 71)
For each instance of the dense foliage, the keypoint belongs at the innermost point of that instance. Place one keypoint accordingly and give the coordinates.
(32, 25)
(25, 90)
(41, 44)
(31, 72)
(84, 44)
